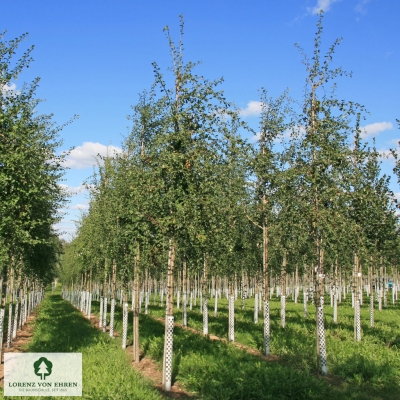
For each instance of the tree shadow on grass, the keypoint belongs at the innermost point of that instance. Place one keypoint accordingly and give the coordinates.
(59, 327)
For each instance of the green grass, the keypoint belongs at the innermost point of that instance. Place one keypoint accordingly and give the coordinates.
(370, 369)
(107, 373)
(217, 370)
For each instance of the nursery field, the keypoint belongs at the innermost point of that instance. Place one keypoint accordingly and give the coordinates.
(107, 373)
(218, 370)
(213, 369)
(375, 360)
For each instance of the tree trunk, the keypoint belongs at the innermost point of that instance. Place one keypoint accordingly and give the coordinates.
(169, 319)
(136, 310)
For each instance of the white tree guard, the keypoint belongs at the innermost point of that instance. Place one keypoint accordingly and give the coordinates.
(231, 318)
(14, 331)
(283, 311)
(105, 313)
(22, 315)
(216, 304)
(205, 315)
(371, 311)
(146, 303)
(178, 299)
(335, 307)
(1, 328)
(9, 331)
(256, 308)
(140, 301)
(101, 312)
(267, 333)
(83, 301)
(112, 312)
(89, 312)
(25, 309)
(358, 321)
(321, 340)
(124, 325)
(168, 352)
(184, 305)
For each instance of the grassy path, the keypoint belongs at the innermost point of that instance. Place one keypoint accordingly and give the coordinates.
(217, 370)
(213, 369)
(107, 371)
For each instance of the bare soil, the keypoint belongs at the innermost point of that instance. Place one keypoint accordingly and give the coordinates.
(18, 345)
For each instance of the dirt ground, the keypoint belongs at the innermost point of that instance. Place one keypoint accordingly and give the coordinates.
(18, 344)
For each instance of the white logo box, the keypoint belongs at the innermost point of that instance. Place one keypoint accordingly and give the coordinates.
(43, 374)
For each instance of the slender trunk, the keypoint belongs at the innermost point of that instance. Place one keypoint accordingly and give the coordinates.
(205, 298)
(283, 290)
(113, 287)
(169, 319)
(231, 313)
(357, 319)
(267, 336)
(136, 311)
(184, 303)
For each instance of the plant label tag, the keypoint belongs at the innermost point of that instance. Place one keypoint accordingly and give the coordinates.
(43, 374)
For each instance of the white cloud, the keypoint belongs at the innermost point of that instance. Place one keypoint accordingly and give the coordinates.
(297, 132)
(361, 7)
(73, 190)
(85, 156)
(385, 155)
(397, 196)
(65, 229)
(323, 5)
(253, 108)
(9, 90)
(375, 128)
(80, 207)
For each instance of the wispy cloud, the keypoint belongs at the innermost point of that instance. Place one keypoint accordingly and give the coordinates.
(73, 190)
(80, 207)
(85, 156)
(9, 90)
(375, 129)
(360, 7)
(253, 108)
(296, 132)
(322, 5)
(385, 154)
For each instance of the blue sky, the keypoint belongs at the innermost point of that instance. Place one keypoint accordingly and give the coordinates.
(94, 57)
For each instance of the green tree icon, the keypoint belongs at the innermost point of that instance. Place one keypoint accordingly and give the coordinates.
(42, 367)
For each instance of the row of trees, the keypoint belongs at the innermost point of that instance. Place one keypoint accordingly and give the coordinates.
(189, 194)
(30, 171)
